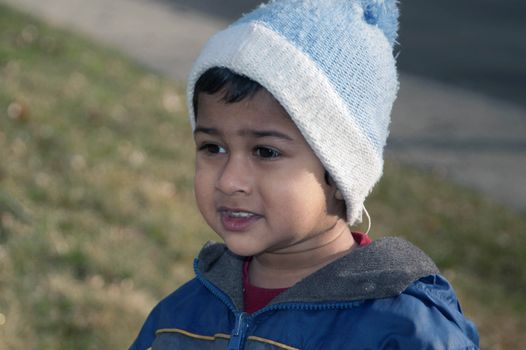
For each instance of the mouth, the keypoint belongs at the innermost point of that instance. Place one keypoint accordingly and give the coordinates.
(237, 220)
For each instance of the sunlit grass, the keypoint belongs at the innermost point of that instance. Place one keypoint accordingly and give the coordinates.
(97, 215)
(98, 220)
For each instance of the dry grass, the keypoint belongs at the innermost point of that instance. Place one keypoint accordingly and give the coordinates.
(97, 216)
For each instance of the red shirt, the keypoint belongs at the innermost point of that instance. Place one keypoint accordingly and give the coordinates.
(256, 298)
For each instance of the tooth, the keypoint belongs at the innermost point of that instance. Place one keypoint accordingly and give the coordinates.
(240, 214)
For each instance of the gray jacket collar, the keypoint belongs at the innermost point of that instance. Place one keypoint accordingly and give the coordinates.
(384, 268)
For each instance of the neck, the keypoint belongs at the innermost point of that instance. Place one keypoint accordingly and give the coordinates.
(284, 268)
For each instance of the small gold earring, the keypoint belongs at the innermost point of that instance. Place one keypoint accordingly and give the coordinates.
(338, 195)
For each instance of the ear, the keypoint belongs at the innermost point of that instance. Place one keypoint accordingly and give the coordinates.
(328, 179)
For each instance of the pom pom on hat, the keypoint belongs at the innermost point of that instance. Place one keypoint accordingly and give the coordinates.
(330, 64)
(384, 14)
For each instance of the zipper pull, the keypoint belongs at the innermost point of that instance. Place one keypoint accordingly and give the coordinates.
(238, 335)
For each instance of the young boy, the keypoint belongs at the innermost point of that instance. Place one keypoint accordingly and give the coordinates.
(290, 109)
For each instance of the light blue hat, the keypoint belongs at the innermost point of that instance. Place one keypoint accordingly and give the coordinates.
(330, 64)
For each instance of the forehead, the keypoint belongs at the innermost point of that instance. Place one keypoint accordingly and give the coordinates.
(261, 109)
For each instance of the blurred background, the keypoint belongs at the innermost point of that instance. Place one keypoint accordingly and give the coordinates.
(97, 220)
(478, 46)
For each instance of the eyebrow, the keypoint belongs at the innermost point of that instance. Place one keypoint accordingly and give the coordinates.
(249, 132)
(209, 131)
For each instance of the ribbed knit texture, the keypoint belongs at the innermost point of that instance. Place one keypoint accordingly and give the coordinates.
(329, 63)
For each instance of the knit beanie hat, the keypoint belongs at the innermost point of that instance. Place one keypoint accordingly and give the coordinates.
(330, 64)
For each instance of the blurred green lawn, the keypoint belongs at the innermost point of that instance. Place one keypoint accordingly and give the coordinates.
(97, 216)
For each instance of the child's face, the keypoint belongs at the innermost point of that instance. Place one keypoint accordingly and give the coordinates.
(257, 182)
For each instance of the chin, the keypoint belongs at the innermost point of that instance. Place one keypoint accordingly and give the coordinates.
(242, 250)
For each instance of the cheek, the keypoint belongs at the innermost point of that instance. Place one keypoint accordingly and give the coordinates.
(203, 188)
(299, 197)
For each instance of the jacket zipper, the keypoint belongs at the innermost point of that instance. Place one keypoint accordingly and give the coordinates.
(308, 306)
(238, 336)
(243, 319)
(216, 291)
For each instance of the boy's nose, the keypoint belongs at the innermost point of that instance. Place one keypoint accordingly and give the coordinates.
(235, 177)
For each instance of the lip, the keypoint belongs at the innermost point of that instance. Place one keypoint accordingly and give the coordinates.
(237, 224)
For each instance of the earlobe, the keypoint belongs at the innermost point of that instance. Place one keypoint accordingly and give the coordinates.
(337, 194)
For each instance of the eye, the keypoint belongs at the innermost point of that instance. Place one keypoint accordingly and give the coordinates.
(267, 152)
(212, 148)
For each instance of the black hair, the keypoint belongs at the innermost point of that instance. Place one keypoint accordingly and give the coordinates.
(328, 178)
(236, 87)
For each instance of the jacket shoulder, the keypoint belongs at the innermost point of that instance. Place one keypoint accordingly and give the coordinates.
(171, 311)
(426, 315)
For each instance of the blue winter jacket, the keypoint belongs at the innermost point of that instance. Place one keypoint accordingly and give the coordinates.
(387, 295)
